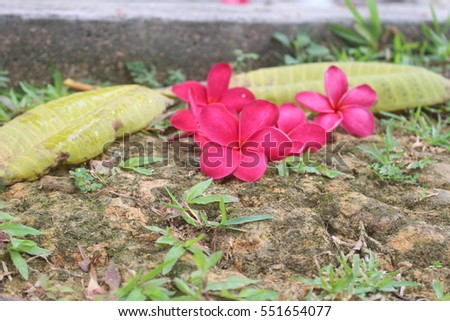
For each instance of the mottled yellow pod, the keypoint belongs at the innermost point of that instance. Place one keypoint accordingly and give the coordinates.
(73, 129)
(398, 86)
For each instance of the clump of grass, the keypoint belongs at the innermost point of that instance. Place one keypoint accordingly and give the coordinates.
(4, 78)
(27, 96)
(14, 245)
(148, 76)
(365, 33)
(422, 126)
(358, 279)
(84, 180)
(304, 165)
(196, 285)
(137, 164)
(388, 165)
(439, 291)
(198, 218)
(143, 75)
(243, 61)
(302, 49)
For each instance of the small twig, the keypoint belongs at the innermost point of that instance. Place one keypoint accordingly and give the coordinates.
(76, 85)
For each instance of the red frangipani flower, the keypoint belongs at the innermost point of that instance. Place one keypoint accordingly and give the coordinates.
(240, 146)
(304, 136)
(216, 90)
(348, 108)
(186, 119)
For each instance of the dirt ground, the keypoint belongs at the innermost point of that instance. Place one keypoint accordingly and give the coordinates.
(315, 218)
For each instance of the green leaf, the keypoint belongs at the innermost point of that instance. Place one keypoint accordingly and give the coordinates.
(231, 283)
(193, 241)
(136, 295)
(259, 295)
(155, 271)
(20, 263)
(213, 259)
(248, 219)
(36, 250)
(333, 173)
(73, 129)
(197, 190)
(134, 162)
(6, 217)
(184, 287)
(420, 87)
(156, 229)
(173, 256)
(347, 34)
(374, 18)
(282, 39)
(19, 230)
(214, 199)
(359, 19)
(144, 171)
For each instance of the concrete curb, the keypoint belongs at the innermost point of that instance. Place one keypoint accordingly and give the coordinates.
(94, 38)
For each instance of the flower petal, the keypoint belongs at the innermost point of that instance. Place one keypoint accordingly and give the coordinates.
(255, 116)
(308, 136)
(336, 85)
(358, 121)
(236, 98)
(184, 120)
(275, 144)
(361, 96)
(252, 166)
(218, 161)
(218, 81)
(314, 101)
(329, 122)
(218, 125)
(199, 91)
(291, 116)
(200, 140)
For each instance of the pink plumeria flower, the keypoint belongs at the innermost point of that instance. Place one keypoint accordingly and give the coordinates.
(341, 106)
(216, 90)
(304, 136)
(186, 119)
(237, 146)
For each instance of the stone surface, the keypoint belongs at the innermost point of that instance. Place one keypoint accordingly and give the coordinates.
(95, 38)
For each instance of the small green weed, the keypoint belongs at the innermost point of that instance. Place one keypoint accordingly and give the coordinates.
(436, 265)
(192, 286)
(439, 291)
(178, 248)
(84, 180)
(438, 46)
(388, 165)
(243, 61)
(142, 75)
(148, 76)
(364, 33)
(301, 165)
(422, 126)
(198, 218)
(10, 241)
(137, 164)
(357, 279)
(16, 101)
(174, 76)
(4, 78)
(302, 49)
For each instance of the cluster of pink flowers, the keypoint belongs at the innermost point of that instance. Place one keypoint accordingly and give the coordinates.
(239, 134)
